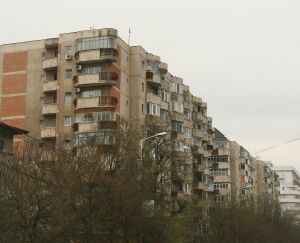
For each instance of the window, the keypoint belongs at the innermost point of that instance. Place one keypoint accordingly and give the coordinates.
(96, 116)
(218, 158)
(176, 88)
(55, 76)
(96, 43)
(186, 188)
(221, 185)
(68, 50)
(67, 144)
(164, 114)
(91, 93)
(142, 108)
(186, 132)
(221, 145)
(143, 87)
(68, 73)
(178, 107)
(91, 69)
(179, 146)
(1, 145)
(98, 138)
(43, 77)
(67, 121)
(153, 109)
(163, 95)
(68, 97)
(42, 100)
(219, 172)
(177, 127)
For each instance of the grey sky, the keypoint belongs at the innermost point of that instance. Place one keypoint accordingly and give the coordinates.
(238, 55)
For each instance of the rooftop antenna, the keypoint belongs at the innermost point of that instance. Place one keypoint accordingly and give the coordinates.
(93, 26)
(129, 34)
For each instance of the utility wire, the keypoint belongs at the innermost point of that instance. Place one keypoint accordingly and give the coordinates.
(277, 145)
(258, 111)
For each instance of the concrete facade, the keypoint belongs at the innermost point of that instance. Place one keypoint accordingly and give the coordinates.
(289, 196)
(60, 89)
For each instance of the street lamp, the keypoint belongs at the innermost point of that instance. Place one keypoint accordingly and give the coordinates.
(156, 135)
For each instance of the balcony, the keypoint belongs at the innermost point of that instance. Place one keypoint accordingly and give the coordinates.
(222, 179)
(49, 109)
(198, 116)
(99, 79)
(88, 127)
(199, 150)
(49, 63)
(99, 55)
(96, 102)
(48, 132)
(163, 67)
(51, 43)
(202, 186)
(177, 116)
(164, 105)
(153, 78)
(50, 86)
(197, 133)
(153, 98)
(196, 100)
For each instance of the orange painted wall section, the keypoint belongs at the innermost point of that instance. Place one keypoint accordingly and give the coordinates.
(13, 106)
(14, 84)
(14, 62)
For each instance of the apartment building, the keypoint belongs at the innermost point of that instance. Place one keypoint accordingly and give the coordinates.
(289, 193)
(267, 180)
(76, 87)
(233, 170)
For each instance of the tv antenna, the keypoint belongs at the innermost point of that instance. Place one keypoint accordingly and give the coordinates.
(129, 35)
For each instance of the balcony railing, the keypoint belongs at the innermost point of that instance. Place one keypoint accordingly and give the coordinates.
(196, 100)
(49, 63)
(197, 133)
(96, 102)
(49, 109)
(103, 78)
(198, 116)
(153, 78)
(153, 98)
(175, 116)
(99, 55)
(48, 132)
(51, 43)
(50, 86)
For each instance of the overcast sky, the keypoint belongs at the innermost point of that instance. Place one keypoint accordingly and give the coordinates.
(240, 56)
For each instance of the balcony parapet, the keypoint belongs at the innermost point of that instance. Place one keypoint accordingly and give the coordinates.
(99, 79)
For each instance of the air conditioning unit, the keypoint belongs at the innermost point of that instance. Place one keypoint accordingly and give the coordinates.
(68, 56)
(77, 90)
(78, 67)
